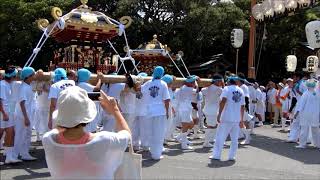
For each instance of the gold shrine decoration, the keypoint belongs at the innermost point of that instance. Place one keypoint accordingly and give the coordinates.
(56, 13)
(178, 82)
(84, 2)
(126, 21)
(42, 23)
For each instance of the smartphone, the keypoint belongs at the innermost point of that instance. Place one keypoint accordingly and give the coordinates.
(94, 96)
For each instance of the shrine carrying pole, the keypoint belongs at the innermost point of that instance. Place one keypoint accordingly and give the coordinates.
(178, 82)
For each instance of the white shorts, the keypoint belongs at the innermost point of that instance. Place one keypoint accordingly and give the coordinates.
(247, 117)
(260, 110)
(195, 114)
(6, 124)
(211, 120)
(185, 116)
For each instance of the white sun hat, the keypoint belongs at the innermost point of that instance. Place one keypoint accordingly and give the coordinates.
(74, 108)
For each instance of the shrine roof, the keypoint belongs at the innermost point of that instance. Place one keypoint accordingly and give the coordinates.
(82, 24)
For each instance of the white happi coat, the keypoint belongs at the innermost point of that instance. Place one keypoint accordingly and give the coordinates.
(212, 99)
(309, 109)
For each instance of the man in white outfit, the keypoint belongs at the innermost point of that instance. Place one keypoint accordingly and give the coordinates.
(24, 114)
(61, 82)
(297, 90)
(171, 124)
(185, 95)
(308, 110)
(7, 114)
(112, 90)
(157, 102)
(212, 99)
(230, 118)
(246, 129)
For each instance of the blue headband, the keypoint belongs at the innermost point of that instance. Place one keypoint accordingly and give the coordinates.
(167, 78)
(26, 72)
(60, 74)
(158, 72)
(191, 79)
(215, 80)
(83, 75)
(311, 84)
(142, 74)
(12, 74)
(234, 78)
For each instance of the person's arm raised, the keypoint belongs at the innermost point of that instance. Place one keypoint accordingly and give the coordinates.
(110, 105)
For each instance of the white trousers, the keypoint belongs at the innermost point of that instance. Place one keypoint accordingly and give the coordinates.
(225, 129)
(170, 127)
(157, 135)
(304, 134)
(294, 130)
(144, 130)
(22, 139)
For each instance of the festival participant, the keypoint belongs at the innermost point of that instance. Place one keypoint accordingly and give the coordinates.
(247, 117)
(297, 90)
(195, 113)
(271, 96)
(286, 98)
(141, 131)
(128, 105)
(113, 90)
(212, 98)
(259, 104)
(7, 121)
(157, 102)
(184, 96)
(61, 82)
(230, 117)
(171, 124)
(77, 154)
(24, 113)
(84, 76)
(264, 100)
(308, 110)
(42, 106)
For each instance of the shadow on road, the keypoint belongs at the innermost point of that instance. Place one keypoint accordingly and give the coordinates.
(277, 146)
(30, 167)
(220, 164)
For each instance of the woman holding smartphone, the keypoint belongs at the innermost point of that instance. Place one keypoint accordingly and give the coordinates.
(76, 154)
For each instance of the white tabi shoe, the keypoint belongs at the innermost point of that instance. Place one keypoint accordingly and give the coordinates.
(186, 147)
(28, 157)
(245, 142)
(11, 160)
(207, 145)
(300, 147)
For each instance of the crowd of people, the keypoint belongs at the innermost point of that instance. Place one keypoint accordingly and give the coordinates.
(153, 113)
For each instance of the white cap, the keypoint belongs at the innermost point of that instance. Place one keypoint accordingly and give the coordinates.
(74, 108)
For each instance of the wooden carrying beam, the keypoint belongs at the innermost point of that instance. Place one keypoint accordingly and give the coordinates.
(122, 79)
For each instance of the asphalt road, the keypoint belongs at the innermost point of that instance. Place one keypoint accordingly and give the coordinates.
(268, 157)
